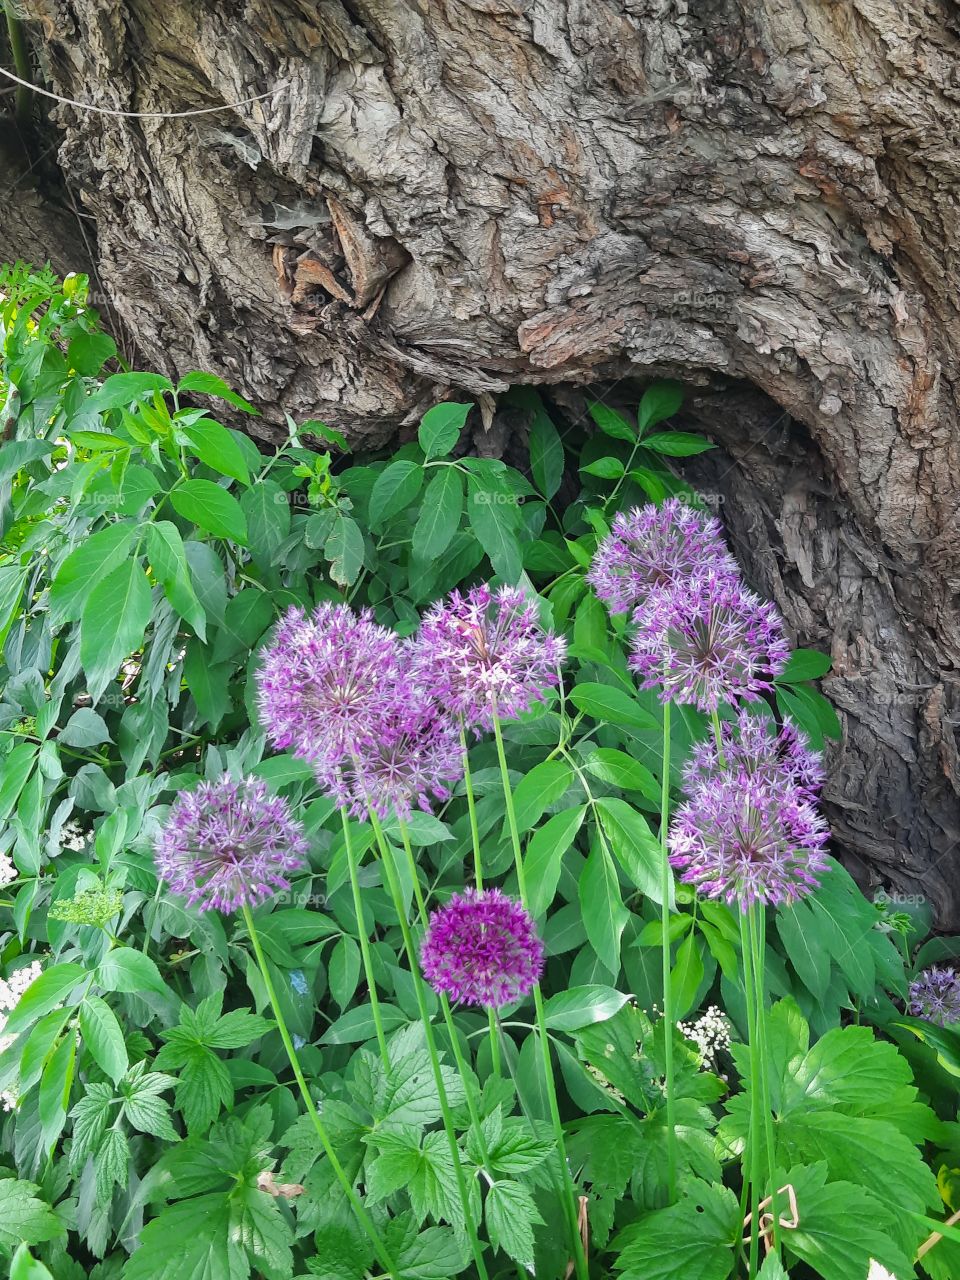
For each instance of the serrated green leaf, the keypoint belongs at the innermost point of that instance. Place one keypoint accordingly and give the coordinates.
(511, 1216)
(23, 1215)
(692, 1240)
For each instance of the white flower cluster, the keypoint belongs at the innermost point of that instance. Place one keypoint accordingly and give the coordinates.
(8, 872)
(710, 1033)
(11, 989)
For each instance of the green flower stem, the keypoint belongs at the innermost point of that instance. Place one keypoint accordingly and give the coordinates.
(666, 885)
(753, 1147)
(364, 940)
(386, 859)
(569, 1198)
(478, 876)
(21, 60)
(366, 1222)
(758, 925)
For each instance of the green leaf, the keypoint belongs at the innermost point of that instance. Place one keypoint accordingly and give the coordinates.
(83, 568)
(113, 623)
(169, 562)
(546, 454)
(660, 401)
(394, 490)
(208, 682)
(436, 1254)
(582, 1006)
(492, 512)
(267, 510)
(611, 423)
(25, 1267)
(805, 664)
(677, 444)
(538, 789)
(13, 579)
(605, 468)
(122, 389)
(211, 508)
(841, 1227)
(103, 1037)
(208, 384)
(620, 770)
(344, 551)
(125, 969)
(84, 729)
(544, 856)
(440, 513)
(89, 352)
(637, 849)
(357, 1026)
(511, 1216)
(17, 454)
(687, 974)
(214, 445)
(614, 706)
(604, 915)
(51, 988)
(23, 1215)
(692, 1240)
(805, 941)
(343, 971)
(441, 427)
(192, 1240)
(16, 769)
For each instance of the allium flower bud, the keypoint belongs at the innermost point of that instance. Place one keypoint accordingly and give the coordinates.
(652, 548)
(708, 641)
(482, 948)
(935, 996)
(480, 651)
(229, 844)
(325, 680)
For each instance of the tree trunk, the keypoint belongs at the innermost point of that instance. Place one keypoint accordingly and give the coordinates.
(758, 197)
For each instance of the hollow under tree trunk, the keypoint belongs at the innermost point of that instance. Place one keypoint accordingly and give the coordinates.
(756, 196)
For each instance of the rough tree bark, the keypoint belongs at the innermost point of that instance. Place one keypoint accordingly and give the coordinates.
(757, 196)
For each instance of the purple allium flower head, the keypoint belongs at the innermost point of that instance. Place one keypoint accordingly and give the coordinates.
(325, 680)
(482, 948)
(652, 547)
(760, 750)
(482, 649)
(708, 640)
(229, 844)
(747, 838)
(410, 754)
(935, 995)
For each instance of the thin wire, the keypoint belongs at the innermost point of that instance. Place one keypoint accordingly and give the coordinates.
(141, 115)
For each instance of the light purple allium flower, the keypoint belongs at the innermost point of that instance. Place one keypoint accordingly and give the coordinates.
(410, 754)
(482, 649)
(746, 838)
(708, 641)
(325, 680)
(482, 948)
(760, 750)
(229, 844)
(935, 996)
(654, 547)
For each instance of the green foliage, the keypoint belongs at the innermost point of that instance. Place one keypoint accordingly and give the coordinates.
(146, 552)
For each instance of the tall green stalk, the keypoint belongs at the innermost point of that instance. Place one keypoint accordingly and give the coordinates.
(390, 872)
(364, 940)
(366, 1222)
(570, 1200)
(666, 885)
(478, 876)
(21, 60)
(758, 938)
(752, 1151)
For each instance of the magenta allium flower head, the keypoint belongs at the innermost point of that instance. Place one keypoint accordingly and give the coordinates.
(229, 844)
(411, 753)
(482, 650)
(654, 547)
(935, 995)
(325, 680)
(707, 641)
(747, 839)
(760, 750)
(482, 948)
